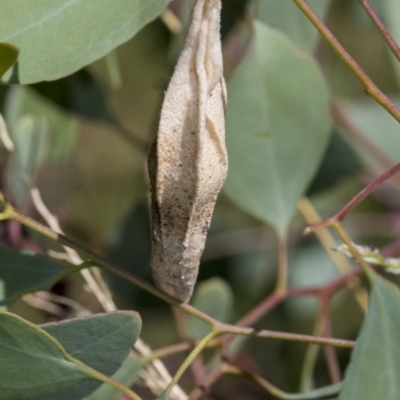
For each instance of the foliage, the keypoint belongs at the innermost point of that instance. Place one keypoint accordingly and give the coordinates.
(299, 317)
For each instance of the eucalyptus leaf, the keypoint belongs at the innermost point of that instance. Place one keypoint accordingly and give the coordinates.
(24, 271)
(375, 361)
(33, 364)
(102, 341)
(277, 128)
(62, 126)
(58, 38)
(8, 56)
(379, 127)
(288, 18)
(31, 139)
(126, 375)
(215, 298)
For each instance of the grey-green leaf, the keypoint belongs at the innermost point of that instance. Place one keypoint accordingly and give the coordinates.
(126, 375)
(375, 362)
(31, 139)
(215, 298)
(288, 18)
(33, 364)
(25, 271)
(8, 56)
(101, 341)
(62, 126)
(56, 38)
(277, 128)
(378, 126)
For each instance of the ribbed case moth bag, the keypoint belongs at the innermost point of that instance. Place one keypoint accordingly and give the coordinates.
(188, 160)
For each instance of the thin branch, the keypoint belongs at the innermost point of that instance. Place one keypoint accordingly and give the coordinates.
(10, 212)
(106, 302)
(254, 315)
(310, 357)
(381, 27)
(330, 352)
(293, 337)
(341, 214)
(270, 388)
(189, 360)
(282, 282)
(207, 382)
(370, 88)
(180, 348)
(155, 373)
(342, 120)
(328, 243)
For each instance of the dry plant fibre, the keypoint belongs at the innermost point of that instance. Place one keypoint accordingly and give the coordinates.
(188, 160)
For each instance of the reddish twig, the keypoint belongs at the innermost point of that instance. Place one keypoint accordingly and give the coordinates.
(330, 353)
(207, 382)
(369, 86)
(340, 117)
(341, 214)
(381, 27)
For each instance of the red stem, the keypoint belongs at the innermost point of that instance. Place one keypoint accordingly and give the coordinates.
(330, 352)
(355, 201)
(381, 27)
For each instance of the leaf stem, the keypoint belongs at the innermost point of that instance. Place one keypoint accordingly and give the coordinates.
(94, 374)
(354, 252)
(220, 327)
(381, 27)
(293, 337)
(188, 361)
(342, 120)
(282, 282)
(357, 199)
(179, 348)
(369, 86)
(280, 394)
(328, 243)
(310, 358)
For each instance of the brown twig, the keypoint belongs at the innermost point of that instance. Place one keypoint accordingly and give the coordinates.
(9, 212)
(369, 86)
(341, 214)
(330, 353)
(340, 117)
(381, 27)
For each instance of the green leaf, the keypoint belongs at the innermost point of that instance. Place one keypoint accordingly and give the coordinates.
(288, 18)
(58, 38)
(277, 128)
(33, 364)
(126, 375)
(62, 126)
(215, 298)
(375, 361)
(101, 341)
(144, 75)
(24, 271)
(31, 139)
(8, 56)
(377, 125)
